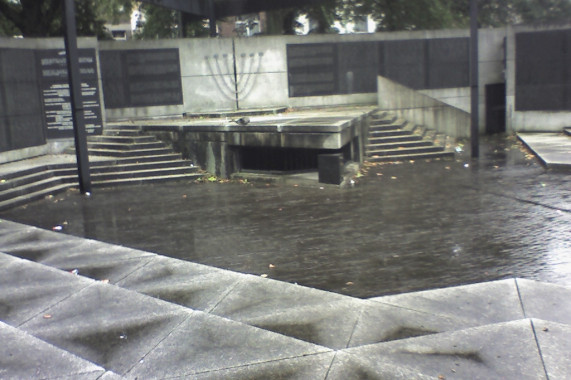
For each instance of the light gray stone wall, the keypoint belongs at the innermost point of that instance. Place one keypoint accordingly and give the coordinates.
(422, 109)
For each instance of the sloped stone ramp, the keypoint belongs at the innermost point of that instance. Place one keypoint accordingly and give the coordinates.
(78, 308)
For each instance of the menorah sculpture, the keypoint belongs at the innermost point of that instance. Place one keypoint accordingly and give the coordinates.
(235, 78)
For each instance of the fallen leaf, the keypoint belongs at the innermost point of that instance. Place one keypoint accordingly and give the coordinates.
(47, 316)
(264, 275)
(271, 266)
(105, 281)
(349, 283)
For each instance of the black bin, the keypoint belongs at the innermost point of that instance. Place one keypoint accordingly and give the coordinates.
(330, 167)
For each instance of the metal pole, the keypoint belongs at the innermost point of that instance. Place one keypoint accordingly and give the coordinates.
(212, 18)
(72, 57)
(474, 107)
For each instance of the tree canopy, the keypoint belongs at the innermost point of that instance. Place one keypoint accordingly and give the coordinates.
(43, 18)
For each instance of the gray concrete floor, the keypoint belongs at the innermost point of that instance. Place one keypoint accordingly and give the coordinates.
(401, 228)
(77, 308)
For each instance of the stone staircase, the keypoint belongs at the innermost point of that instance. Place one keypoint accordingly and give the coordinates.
(394, 139)
(124, 156)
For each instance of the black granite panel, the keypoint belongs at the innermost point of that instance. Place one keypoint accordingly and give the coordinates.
(140, 78)
(358, 63)
(26, 131)
(4, 138)
(448, 63)
(382, 59)
(312, 69)
(542, 71)
(55, 92)
(541, 97)
(405, 62)
(21, 112)
(18, 66)
(539, 58)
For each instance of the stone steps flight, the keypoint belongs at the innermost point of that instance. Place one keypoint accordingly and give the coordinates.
(130, 158)
(394, 139)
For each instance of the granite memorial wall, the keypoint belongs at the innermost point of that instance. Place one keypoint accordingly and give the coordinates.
(141, 77)
(54, 89)
(352, 67)
(21, 113)
(543, 70)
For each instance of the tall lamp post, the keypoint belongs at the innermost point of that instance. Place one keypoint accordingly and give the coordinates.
(474, 107)
(75, 96)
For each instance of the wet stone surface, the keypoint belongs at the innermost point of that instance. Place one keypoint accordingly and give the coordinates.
(402, 227)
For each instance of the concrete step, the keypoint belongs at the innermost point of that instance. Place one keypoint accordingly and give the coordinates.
(389, 133)
(124, 147)
(25, 179)
(122, 139)
(142, 166)
(147, 173)
(130, 153)
(394, 139)
(41, 193)
(122, 127)
(34, 187)
(388, 125)
(383, 118)
(150, 179)
(396, 145)
(405, 150)
(142, 159)
(415, 156)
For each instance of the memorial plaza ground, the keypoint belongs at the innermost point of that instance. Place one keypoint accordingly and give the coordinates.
(439, 269)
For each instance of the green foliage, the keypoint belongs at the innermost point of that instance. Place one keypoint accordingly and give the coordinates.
(164, 23)
(114, 11)
(43, 18)
(33, 18)
(158, 23)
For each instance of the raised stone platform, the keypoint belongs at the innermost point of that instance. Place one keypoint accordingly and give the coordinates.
(219, 144)
(552, 149)
(77, 308)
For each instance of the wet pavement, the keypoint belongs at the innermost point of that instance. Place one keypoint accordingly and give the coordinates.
(402, 227)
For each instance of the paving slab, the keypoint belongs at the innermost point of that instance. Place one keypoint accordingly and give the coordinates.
(26, 357)
(552, 149)
(205, 343)
(308, 314)
(106, 325)
(93, 259)
(27, 289)
(499, 351)
(187, 284)
(471, 305)
(300, 368)
(383, 323)
(554, 340)
(545, 301)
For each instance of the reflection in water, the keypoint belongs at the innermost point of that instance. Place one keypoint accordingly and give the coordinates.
(402, 227)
